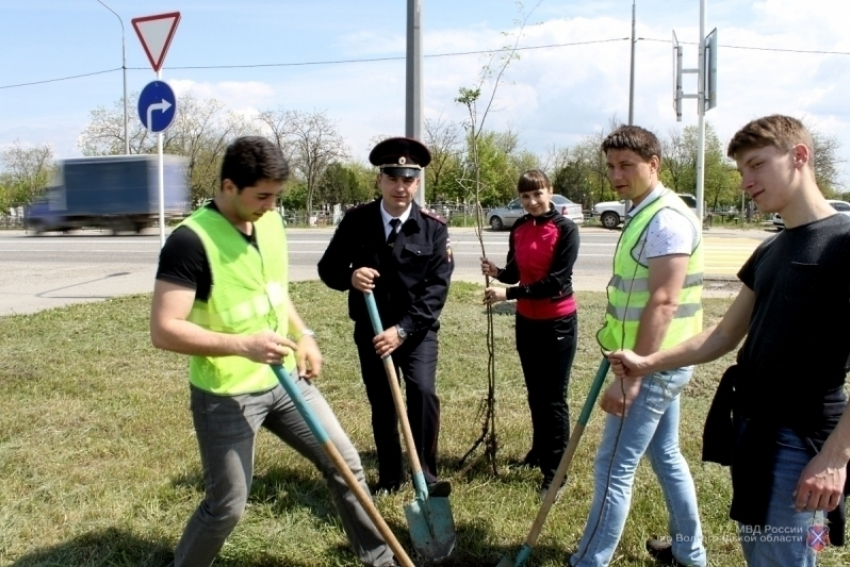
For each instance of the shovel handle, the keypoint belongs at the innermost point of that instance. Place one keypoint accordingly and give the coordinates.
(401, 411)
(339, 463)
(567, 458)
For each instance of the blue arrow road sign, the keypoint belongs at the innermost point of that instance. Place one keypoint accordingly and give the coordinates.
(157, 106)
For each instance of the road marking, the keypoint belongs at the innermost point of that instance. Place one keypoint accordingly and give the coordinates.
(725, 256)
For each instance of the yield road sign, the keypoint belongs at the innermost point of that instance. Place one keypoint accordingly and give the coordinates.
(157, 106)
(156, 33)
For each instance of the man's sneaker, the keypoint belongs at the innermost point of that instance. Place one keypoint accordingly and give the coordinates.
(661, 550)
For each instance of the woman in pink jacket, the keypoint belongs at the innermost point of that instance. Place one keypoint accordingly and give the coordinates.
(543, 247)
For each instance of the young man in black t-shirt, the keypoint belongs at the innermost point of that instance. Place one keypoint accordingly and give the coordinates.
(779, 417)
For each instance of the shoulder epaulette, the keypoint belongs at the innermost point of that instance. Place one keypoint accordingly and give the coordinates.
(354, 208)
(434, 216)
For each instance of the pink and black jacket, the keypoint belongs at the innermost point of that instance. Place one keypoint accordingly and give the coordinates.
(541, 254)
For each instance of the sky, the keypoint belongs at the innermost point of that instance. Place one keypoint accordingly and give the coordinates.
(773, 58)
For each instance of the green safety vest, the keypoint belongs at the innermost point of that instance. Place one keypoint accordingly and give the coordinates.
(249, 295)
(628, 290)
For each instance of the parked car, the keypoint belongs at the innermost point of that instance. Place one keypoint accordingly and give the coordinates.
(505, 217)
(612, 213)
(842, 207)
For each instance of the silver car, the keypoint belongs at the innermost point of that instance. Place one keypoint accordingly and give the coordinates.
(505, 217)
(842, 207)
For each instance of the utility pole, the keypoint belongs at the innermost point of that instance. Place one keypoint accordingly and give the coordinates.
(413, 115)
(124, 69)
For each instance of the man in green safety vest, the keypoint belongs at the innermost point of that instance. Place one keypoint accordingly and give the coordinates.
(653, 303)
(222, 297)
(779, 417)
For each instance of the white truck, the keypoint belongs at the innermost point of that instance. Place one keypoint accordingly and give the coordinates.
(612, 213)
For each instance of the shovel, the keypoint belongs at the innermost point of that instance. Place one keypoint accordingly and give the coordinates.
(333, 454)
(429, 519)
(563, 467)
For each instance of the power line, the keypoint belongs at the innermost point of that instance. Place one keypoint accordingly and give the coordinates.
(61, 79)
(813, 51)
(332, 62)
(435, 55)
(398, 58)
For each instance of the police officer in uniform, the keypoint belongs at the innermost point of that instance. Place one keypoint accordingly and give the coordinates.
(400, 252)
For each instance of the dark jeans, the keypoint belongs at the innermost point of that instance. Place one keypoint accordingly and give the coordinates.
(227, 427)
(416, 358)
(546, 349)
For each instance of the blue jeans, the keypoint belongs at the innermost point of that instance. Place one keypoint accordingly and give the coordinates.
(650, 427)
(226, 427)
(782, 542)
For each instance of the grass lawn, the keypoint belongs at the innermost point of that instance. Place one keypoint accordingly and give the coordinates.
(99, 464)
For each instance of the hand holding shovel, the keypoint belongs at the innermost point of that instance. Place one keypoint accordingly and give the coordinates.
(429, 519)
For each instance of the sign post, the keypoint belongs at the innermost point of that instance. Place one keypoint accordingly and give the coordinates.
(157, 103)
(706, 94)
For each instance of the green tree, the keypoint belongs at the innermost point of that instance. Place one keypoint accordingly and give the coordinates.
(827, 163)
(294, 197)
(469, 97)
(6, 193)
(579, 173)
(444, 140)
(679, 167)
(499, 162)
(26, 172)
(309, 140)
(337, 185)
(366, 189)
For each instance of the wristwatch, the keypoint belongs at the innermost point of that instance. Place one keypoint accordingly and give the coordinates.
(402, 334)
(306, 333)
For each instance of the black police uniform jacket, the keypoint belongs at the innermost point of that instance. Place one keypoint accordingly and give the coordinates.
(414, 273)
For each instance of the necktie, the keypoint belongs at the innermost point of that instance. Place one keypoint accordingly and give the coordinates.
(393, 232)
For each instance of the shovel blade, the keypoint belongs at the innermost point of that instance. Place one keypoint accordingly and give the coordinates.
(432, 527)
(519, 560)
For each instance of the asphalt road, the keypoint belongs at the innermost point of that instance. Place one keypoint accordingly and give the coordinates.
(40, 272)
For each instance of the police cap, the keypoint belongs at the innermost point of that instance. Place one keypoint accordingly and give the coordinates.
(400, 157)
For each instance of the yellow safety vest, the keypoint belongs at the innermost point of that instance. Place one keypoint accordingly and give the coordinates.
(628, 290)
(248, 295)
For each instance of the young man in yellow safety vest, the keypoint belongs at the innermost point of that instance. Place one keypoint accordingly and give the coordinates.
(222, 297)
(653, 303)
(779, 418)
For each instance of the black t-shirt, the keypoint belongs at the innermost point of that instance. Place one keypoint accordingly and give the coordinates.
(798, 344)
(183, 260)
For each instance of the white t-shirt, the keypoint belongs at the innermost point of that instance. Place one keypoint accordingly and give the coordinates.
(669, 232)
